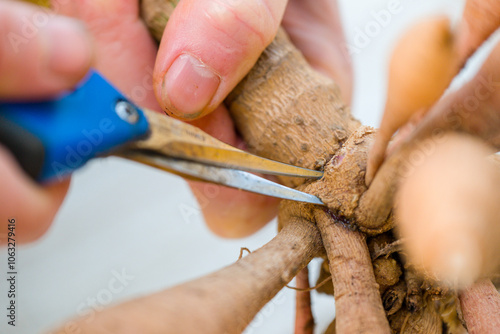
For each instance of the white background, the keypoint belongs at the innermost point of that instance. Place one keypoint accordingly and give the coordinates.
(120, 216)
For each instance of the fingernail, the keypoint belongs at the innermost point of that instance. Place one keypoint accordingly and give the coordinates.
(70, 47)
(188, 86)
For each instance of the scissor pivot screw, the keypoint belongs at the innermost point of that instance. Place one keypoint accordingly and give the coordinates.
(127, 112)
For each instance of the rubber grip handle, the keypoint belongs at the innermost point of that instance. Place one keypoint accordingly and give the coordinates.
(53, 138)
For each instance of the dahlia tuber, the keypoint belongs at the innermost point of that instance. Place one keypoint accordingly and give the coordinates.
(447, 208)
(421, 68)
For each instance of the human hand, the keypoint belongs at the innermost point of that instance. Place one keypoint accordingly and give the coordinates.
(220, 41)
(40, 56)
(125, 54)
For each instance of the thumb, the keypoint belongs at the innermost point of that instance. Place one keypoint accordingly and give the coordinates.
(208, 46)
(40, 53)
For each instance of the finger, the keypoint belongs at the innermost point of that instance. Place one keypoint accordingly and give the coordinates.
(207, 48)
(480, 19)
(228, 212)
(136, 53)
(40, 53)
(33, 207)
(447, 210)
(125, 51)
(315, 28)
(233, 213)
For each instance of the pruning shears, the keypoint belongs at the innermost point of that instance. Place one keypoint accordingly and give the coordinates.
(53, 138)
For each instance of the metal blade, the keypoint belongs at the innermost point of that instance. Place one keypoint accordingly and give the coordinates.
(173, 138)
(237, 159)
(228, 177)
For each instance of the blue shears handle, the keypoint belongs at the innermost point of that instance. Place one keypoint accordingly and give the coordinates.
(53, 138)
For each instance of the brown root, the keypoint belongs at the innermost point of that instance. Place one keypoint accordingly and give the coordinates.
(425, 321)
(396, 246)
(331, 327)
(156, 13)
(286, 111)
(387, 272)
(324, 273)
(281, 126)
(414, 297)
(480, 306)
(379, 242)
(244, 249)
(356, 291)
(304, 320)
(225, 301)
(393, 298)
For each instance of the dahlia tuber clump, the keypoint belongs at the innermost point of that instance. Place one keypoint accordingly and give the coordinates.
(286, 111)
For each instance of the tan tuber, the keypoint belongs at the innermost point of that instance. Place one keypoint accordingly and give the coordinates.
(447, 207)
(480, 19)
(421, 68)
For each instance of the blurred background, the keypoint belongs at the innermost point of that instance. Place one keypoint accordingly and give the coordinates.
(143, 227)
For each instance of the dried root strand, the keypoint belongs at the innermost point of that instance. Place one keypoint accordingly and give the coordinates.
(244, 249)
(304, 320)
(414, 295)
(379, 242)
(396, 246)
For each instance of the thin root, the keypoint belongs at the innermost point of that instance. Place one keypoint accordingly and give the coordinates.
(312, 288)
(241, 252)
(393, 247)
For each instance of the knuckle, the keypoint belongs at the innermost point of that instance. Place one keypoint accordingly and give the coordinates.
(243, 21)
